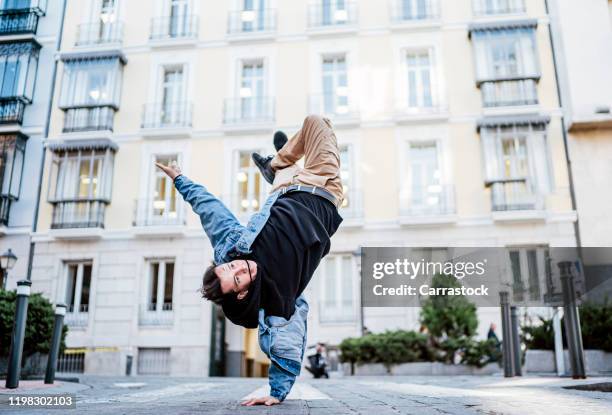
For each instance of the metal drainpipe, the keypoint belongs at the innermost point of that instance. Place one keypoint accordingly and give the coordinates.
(45, 136)
(565, 140)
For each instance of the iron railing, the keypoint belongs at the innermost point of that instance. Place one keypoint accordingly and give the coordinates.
(152, 212)
(509, 92)
(489, 7)
(68, 214)
(89, 118)
(20, 21)
(433, 200)
(250, 21)
(77, 317)
(174, 27)
(11, 110)
(249, 110)
(152, 315)
(320, 15)
(99, 33)
(69, 362)
(512, 195)
(414, 10)
(167, 115)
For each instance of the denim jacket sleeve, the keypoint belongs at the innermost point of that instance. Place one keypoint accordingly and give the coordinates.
(281, 380)
(217, 220)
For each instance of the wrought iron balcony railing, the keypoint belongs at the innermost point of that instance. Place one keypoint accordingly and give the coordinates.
(89, 118)
(151, 212)
(325, 15)
(99, 33)
(403, 11)
(509, 92)
(167, 115)
(11, 109)
(249, 110)
(77, 317)
(433, 200)
(514, 194)
(18, 21)
(174, 27)
(251, 21)
(491, 7)
(154, 314)
(69, 214)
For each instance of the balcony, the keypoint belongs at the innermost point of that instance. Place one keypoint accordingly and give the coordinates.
(415, 11)
(98, 33)
(89, 118)
(249, 112)
(337, 107)
(249, 24)
(11, 109)
(327, 18)
(512, 92)
(155, 314)
(167, 115)
(496, 7)
(77, 317)
(12, 156)
(513, 195)
(70, 214)
(174, 27)
(434, 204)
(160, 218)
(18, 21)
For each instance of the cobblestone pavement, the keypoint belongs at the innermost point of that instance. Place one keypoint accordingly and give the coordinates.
(355, 395)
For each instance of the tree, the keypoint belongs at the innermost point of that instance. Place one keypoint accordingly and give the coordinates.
(39, 326)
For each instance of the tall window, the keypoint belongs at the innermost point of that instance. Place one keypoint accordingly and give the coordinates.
(424, 191)
(161, 283)
(337, 299)
(516, 165)
(12, 154)
(334, 12)
(507, 69)
(178, 17)
(253, 15)
(108, 17)
(173, 89)
(528, 267)
(18, 64)
(335, 85)
(416, 9)
(252, 89)
(78, 284)
(488, 7)
(420, 74)
(249, 190)
(90, 82)
(351, 204)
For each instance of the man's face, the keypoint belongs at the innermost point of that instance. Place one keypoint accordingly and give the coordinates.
(236, 276)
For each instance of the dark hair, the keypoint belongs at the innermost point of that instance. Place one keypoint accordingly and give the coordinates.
(211, 285)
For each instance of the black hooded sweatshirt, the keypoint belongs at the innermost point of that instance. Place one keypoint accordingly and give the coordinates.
(287, 250)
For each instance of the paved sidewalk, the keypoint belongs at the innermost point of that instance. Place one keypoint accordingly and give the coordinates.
(354, 395)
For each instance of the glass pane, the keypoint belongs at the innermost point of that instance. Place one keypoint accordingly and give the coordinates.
(85, 287)
(153, 285)
(71, 286)
(169, 284)
(534, 281)
(84, 178)
(329, 298)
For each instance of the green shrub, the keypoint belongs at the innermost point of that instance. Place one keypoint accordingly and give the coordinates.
(39, 326)
(539, 336)
(390, 347)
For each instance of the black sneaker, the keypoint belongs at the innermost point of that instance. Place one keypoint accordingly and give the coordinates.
(264, 166)
(280, 139)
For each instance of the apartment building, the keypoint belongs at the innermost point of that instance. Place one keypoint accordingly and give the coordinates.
(446, 112)
(28, 37)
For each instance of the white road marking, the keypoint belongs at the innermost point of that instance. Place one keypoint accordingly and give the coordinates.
(302, 391)
(129, 384)
(156, 394)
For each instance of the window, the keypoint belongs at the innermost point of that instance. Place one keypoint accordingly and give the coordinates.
(337, 300)
(326, 13)
(172, 94)
(415, 9)
(529, 269)
(158, 304)
(80, 185)
(18, 66)
(506, 66)
(153, 361)
(248, 186)
(252, 87)
(253, 15)
(335, 85)
(161, 206)
(103, 26)
(488, 7)
(420, 74)
(12, 154)
(172, 109)
(176, 21)
(516, 166)
(351, 205)
(78, 285)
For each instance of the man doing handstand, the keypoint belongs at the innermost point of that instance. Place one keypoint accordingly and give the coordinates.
(260, 270)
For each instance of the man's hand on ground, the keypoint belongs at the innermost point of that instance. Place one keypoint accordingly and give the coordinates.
(173, 171)
(266, 400)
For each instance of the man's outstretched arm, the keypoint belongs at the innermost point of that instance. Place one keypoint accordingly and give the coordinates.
(281, 382)
(217, 220)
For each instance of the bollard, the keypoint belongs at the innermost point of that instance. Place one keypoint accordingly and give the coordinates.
(572, 321)
(507, 349)
(60, 312)
(21, 315)
(516, 341)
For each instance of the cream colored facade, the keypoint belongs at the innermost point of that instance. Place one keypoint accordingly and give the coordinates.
(380, 65)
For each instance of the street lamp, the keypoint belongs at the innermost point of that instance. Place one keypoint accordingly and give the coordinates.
(7, 262)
